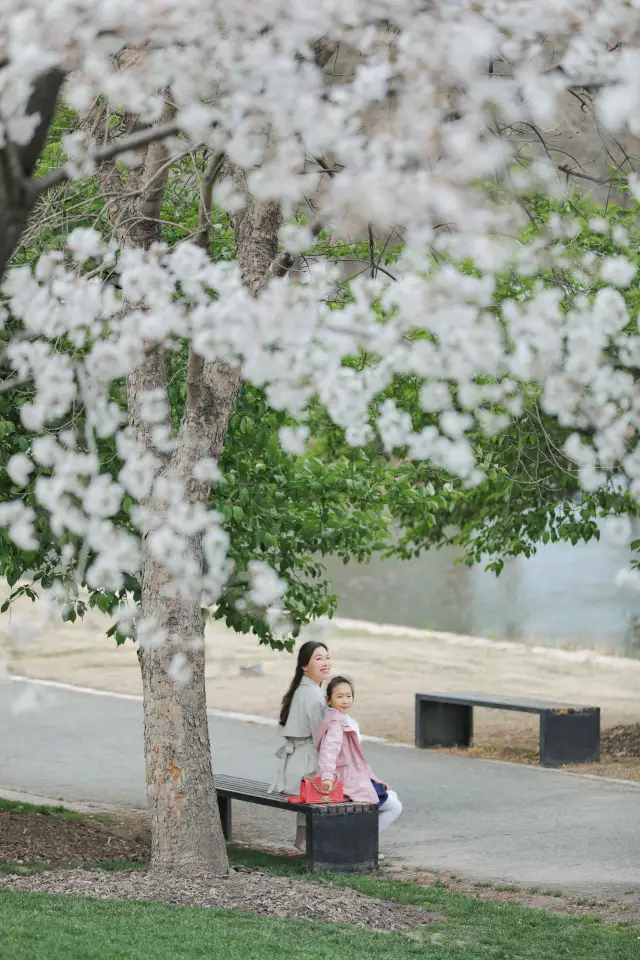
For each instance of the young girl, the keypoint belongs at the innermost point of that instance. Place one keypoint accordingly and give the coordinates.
(339, 754)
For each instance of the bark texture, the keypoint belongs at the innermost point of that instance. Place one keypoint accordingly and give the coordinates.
(187, 835)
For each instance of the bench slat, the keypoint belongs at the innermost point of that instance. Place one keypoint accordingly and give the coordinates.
(499, 702)
(252, 791)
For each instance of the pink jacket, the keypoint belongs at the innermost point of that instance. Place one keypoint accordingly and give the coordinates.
(339, 753)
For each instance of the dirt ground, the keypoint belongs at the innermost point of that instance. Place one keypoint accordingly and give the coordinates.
(47, 839)
(389, 666)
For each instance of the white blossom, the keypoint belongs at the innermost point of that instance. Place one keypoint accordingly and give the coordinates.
(628, 579)
(266, 586)
(618, 530)
(294, 439)
(18, 468)
(180, 670)
(85, 243)
(154, 407)
(149, 634)
(137, 475)
(21, 631)
(206, 469)
(618, 270)
(103, 497)
(29, 700)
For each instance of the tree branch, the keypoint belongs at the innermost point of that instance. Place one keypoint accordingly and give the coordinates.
(204, 213)
(8, 385)
(601, 181)
(323, 50)
(134, 141)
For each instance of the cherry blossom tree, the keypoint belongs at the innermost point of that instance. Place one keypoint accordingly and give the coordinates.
(420, 143)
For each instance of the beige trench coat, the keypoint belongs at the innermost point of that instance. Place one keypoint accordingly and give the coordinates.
(298, 755)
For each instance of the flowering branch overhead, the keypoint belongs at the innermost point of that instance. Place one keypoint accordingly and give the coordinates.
(413, 133)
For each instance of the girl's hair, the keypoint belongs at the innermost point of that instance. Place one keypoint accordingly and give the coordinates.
(305, 653)
(335, 682)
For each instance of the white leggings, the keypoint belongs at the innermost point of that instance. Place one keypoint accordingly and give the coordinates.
(389, 811)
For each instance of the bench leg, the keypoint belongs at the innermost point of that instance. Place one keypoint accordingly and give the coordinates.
(443, 724)
(342, 843)
(224, 806)
(569, 737)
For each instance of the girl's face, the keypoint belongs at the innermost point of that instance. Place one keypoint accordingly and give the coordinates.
(341, 698)
(319, 667)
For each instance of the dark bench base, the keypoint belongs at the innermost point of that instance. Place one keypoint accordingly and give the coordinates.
(341, 838)
(568, 734)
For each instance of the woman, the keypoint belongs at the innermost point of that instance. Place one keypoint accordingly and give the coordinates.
(303, 707)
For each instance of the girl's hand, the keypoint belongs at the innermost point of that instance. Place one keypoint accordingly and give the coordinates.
(327, 784)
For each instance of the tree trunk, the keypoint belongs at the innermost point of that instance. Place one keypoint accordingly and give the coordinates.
(186, 836)
(186, 833)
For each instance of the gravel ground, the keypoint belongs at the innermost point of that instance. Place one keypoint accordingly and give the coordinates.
(247, 890)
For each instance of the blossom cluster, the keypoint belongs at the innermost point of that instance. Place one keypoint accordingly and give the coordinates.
(411, 135)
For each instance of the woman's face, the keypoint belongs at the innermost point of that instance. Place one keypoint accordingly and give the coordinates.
(342, 697)
(319, 667)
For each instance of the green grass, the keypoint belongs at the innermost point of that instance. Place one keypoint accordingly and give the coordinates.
(114, 865)
(16, 806)
(44, 927)
(23, 867)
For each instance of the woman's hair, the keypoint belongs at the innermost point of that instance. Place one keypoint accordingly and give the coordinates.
(335, 682)
(305, 653)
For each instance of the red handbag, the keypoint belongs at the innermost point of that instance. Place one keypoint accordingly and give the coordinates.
(312, 791)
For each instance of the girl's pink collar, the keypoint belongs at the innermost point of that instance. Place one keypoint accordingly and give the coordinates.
(333, 714)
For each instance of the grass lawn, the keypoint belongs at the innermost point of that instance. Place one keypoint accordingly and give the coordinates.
(17, 806)
(37, 926)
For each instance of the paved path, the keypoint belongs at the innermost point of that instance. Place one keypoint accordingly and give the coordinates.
(480, 819)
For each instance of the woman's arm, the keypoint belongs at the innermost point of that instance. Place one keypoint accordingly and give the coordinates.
(329, 750)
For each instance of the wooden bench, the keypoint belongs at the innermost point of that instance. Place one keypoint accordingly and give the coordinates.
(341, 838)
(568, 733)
